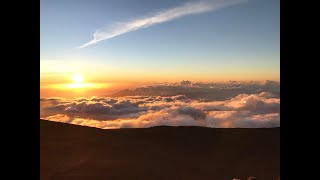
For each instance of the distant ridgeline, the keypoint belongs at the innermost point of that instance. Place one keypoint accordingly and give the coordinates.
(208, 91)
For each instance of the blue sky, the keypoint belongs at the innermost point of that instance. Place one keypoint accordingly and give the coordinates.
(242, 38)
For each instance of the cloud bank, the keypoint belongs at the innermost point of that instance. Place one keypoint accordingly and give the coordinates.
(243, 110)
(160, 17)
(216, 91)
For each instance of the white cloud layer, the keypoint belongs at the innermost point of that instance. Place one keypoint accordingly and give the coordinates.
(160, 17)
(244, 110)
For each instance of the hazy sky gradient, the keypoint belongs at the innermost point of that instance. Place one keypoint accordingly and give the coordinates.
(239, 42)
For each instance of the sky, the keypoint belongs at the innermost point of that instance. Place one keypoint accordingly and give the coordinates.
(137, 41)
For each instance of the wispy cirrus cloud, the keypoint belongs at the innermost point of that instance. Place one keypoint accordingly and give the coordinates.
(159, 17)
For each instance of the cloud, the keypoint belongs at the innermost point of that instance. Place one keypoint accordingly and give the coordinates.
(243, 110)
(160, 17)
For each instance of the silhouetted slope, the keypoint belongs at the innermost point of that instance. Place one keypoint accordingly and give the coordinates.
(75, 152)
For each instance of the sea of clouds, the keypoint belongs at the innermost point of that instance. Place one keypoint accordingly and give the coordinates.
(243, 110)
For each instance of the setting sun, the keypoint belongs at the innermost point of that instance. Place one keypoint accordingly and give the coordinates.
(78, 78)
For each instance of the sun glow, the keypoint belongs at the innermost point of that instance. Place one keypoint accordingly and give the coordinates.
(80, 86)
(78, 78)
(77, 83)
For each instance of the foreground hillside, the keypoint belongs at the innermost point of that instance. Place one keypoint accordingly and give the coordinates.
(75, 152)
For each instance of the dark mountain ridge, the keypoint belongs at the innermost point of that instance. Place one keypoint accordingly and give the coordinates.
(76, 152)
